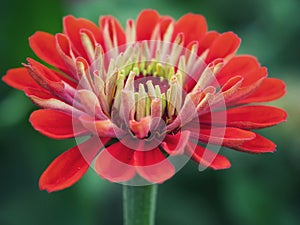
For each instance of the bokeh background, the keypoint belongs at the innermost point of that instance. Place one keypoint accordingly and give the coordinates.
(258, 189)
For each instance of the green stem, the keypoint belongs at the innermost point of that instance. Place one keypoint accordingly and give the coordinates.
(139, 204)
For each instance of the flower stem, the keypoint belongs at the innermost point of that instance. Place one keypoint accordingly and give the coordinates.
(139, 204)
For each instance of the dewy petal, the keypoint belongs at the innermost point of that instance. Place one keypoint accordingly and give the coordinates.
(269, 90)
(20, 79)
(207, 158)
(175, 144)
(193, 27)
(228, 136)
(146, 22)
(115, 163)
(56, 124)
(73, 27)
(223, 46)
(44, 46)
(69, 167)
(259, 144)
(248, 117)
(153, 165)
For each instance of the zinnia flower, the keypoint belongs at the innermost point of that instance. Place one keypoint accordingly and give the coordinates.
(144, 95)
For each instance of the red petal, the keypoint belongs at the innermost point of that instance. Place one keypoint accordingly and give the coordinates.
(56, 124)
(175, 144)
(44, 99)
(164, 23)
(20, 79)
(103, 128)
(44, 46)
(207, 41)
(115, 163)
(69, 167)
(245, 66)
(269, 90)
(146, 22)
(248, 117)
(206, 157)
(224, 45)
(48, 79)
(73, 26)
(259, 144)
(228, 136)
(153, 165)
(114, 29)
(193, 27)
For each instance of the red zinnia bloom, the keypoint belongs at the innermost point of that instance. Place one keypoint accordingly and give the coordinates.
(144, 95)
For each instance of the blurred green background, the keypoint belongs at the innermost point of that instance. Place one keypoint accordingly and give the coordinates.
(258, 189)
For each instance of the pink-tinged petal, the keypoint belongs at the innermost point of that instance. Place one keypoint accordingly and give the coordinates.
(259, 144)
(64, 49)
(175, 144)
(248, 117)
(56, 124)
(164, 23)
(224, 45)
(207, 158)
(242, 93)
(140, 128)
(91, 104)
(69, 167)
(115, 29)
(104, 128)
(269, 90)
(44, 46)
(228, 136)
(153, 165)
(207, 41)
(49, 80)
(145, 24)
(20, 79)
(46, 100)
(193, 27)
(115, 163)
(73, 27)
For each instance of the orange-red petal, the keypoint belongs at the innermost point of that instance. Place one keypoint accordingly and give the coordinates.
(69, 167)
(56, 124)
(44, 46)
(247, 117)
(20, 79)
(224, 45)
(226, 136)
(115, 163)
(73, 27)
(259, 144)
(193, 27)
(269, 90)
(207, 41)
(153, 166)
(114, 28)
(206, 157)
(145, 24)
(244, 65)
(175, 144)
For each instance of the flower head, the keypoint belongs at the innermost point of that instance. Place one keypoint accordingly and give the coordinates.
(148, 97)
